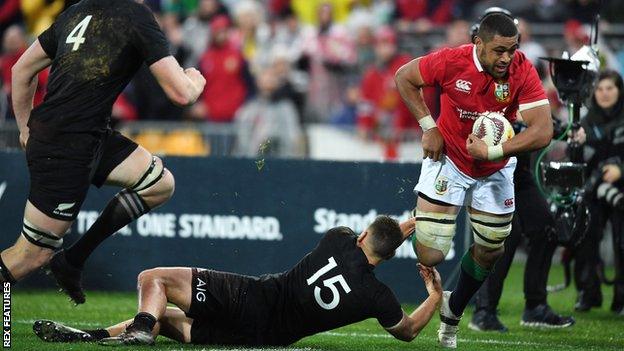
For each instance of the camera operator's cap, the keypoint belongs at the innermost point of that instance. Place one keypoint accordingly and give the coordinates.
(574, 29)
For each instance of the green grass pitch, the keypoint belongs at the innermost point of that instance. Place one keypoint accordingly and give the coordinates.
(597, 330)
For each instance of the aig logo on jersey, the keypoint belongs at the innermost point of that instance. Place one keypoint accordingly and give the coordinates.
(501, 92)
(463, 85)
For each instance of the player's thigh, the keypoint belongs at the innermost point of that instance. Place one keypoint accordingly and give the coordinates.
(176, 325)
(60, 175)
(177, 283)
(130, 170)
(43, 222)
(495, 194)
(441, 187)
(491, 212)
(122, 162)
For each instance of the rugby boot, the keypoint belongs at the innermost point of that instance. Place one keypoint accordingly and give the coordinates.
(542, 316)
(51, 331)
(67, 277)
(484, 320)
(133, 335)
(447, 334)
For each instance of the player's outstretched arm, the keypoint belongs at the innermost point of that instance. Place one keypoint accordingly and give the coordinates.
(409, 83)
(182, 87)
(410, 326)
(24, 84)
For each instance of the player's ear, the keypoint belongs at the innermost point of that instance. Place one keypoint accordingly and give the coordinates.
(478, 41)
(364, 234)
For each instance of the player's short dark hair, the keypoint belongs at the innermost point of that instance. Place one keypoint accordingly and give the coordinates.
(497, 24)
(386, 236)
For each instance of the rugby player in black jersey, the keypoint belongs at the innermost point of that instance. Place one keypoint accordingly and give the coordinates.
(332, 286)
(95, 47)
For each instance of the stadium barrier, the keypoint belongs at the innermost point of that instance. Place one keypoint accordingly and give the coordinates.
(241, 215)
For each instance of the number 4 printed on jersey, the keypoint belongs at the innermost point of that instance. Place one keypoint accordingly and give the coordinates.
(330, 283)
(76, 36)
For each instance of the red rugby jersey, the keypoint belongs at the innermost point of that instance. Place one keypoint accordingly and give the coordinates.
(468, 91)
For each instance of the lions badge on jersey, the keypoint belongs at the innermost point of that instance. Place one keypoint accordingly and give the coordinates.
(501, 92)
(441, 185)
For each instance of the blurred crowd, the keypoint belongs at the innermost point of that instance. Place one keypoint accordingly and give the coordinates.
(273, 66)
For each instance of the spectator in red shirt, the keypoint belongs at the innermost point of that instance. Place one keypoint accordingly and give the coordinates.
(381, 111)
(13, 46)
(227, 76)
(421, 15)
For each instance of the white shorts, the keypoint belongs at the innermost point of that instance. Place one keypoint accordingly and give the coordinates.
(443, 181)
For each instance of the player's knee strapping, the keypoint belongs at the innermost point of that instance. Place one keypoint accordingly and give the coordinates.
(152, 175)
(490, 231)
(435, 230)
(41, 237)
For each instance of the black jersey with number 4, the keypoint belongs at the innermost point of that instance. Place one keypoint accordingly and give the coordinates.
(96, 47)
(332, 286)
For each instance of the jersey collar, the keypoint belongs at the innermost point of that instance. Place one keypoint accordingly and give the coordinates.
(475, 59)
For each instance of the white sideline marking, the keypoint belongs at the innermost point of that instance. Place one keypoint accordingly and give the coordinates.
(330, 333)
(474, 341)
(250, 349)
(256, 349)
(76, 324)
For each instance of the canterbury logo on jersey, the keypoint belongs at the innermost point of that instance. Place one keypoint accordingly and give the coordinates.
(463, 85)
(61, 209)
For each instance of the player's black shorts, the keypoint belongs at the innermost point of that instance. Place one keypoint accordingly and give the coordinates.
(60, 173)
(228, 309)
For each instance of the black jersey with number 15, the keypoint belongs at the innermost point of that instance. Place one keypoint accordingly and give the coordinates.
(334, 285)
(96, 47)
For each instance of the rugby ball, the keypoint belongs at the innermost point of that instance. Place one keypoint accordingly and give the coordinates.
(493, 128)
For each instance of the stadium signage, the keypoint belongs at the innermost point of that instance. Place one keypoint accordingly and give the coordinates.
(195, 226)
(228, 214)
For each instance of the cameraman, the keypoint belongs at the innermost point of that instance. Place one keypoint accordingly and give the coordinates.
(602, 135)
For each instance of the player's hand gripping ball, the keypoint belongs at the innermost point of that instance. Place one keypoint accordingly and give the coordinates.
(493, 128)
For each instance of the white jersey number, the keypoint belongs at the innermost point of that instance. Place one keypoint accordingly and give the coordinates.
(76, 36)
(330, 283)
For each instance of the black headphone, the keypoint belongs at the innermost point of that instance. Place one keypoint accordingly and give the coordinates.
(488, 12)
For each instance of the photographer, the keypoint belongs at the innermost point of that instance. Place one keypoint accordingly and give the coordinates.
(602, 137)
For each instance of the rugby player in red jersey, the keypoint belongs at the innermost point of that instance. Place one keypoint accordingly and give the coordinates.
(460, 169)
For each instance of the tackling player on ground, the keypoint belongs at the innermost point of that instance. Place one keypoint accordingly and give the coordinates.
(332, 286)
(95, 47)
(460, 169)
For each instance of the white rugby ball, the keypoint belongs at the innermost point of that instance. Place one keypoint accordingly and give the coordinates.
(493, 128)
